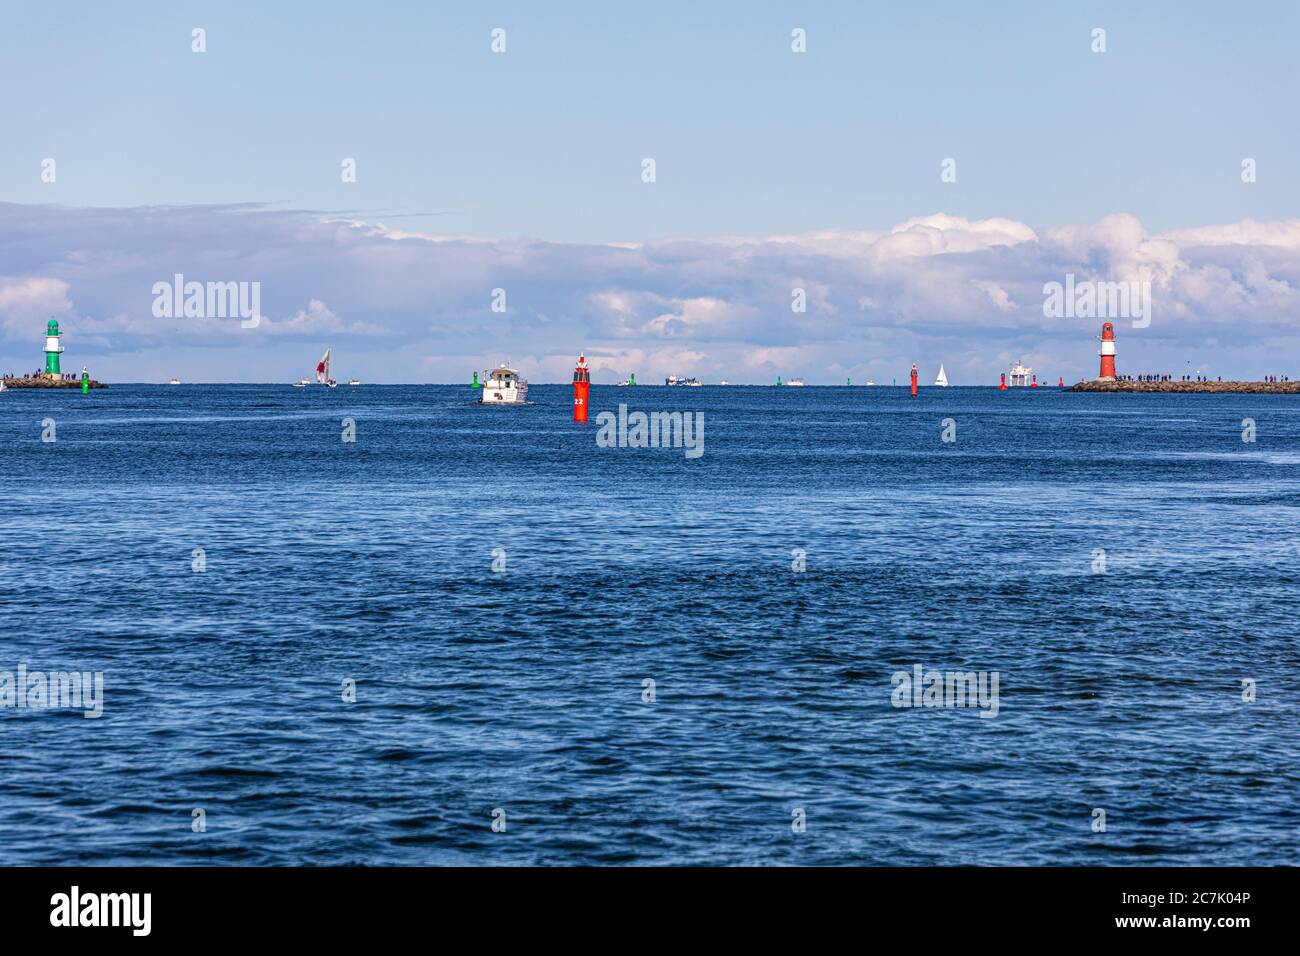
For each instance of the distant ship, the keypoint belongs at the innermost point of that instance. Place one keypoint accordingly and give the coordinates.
(354, 381)
(1019, 376)
(674, 380)
(724, 382)
(941, 379)
(795, 382)
(175, 381)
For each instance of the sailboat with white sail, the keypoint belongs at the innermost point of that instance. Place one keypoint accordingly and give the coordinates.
(941, 379)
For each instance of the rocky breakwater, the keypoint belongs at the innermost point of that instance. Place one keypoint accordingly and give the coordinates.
(1244, 388)
(49, 383)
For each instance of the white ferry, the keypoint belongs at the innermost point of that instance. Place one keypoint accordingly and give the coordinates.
(503, 386)
(1019, 376)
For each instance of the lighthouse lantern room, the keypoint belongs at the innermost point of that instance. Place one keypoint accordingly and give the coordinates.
(52, 350)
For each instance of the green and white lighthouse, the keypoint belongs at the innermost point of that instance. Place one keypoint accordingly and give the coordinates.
(52, 350)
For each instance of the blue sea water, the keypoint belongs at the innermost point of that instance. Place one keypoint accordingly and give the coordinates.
(523, 690)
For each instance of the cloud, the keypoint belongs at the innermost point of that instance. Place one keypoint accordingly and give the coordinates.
(400, 305)
(26, 304)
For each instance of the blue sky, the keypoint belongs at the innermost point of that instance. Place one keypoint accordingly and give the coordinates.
(544, 144)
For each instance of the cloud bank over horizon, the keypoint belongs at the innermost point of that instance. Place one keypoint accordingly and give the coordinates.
(399, 306)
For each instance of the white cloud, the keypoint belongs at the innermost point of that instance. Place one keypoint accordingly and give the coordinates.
(417, 305)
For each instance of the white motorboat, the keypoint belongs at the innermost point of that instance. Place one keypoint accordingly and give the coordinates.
(503, 386)
(941, 379)
(301, 383)
(354, 381)
(796, 382)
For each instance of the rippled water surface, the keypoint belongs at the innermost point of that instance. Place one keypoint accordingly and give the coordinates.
(523, 690)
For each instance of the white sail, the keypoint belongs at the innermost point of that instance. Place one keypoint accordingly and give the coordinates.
(941, 379)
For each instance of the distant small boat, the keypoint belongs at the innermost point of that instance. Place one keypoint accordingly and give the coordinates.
(301, 383)
(941, 379)
(175, 381)
(724, 382)
(629, 381)
(796, 382)
(354, 381)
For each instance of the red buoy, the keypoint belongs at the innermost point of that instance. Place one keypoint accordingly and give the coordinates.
(1107, 352)
(1003, 386)
(1061, 383)
(1034, 383)
(581, 387)
(913, 379)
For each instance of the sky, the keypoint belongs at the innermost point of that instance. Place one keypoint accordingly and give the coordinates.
(920, 172)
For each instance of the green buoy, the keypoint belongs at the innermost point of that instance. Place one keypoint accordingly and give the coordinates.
(631, 380)
(85, 383)
(475, 383)
(778, 380)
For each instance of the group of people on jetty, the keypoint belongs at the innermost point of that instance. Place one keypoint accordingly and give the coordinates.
(66, 376)
(1188, 378)
(1163, 378)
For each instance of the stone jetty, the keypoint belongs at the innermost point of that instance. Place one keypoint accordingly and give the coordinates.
(42, 382)
(1244, 388)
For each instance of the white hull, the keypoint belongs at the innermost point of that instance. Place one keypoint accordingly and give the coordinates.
(505, 395)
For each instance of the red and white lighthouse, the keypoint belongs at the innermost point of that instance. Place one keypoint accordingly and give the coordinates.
(1107, 352)
(581, 388)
